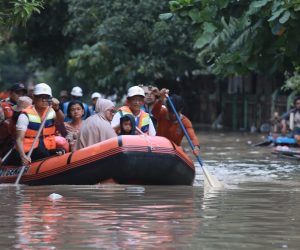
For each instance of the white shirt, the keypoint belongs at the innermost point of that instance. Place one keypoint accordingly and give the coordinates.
(116, 122)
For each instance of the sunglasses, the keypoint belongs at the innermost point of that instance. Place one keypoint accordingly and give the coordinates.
(43, 97)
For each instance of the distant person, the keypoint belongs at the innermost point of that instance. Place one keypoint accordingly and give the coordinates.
(293, 117)
(94, 98)
(167, 123)
(64, 96)
(127, 125)
(75, 113)
(150, 99)
(29, 123)
(15, 91)
(97, 128)
(76, 94)
(276, 126)
(134, 101)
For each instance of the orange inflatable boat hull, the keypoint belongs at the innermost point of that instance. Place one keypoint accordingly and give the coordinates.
(127, 159)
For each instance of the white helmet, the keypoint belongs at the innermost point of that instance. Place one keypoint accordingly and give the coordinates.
(76, 91)
(42, 89)
(96, 95)
(135, 90)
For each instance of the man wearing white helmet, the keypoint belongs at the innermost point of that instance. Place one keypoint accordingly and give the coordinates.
(134, 101)
(76, 94)
(29, 123)
(95, 96)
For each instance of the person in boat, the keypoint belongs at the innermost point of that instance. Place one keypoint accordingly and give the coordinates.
(150, 99)
(29, 123)
(167, 123)
(134, 101)
(94, 97)
(75, 112)
(64, 97)
(76, 94)
(97, 128)
(8, 126)
(293, 116)
(16, 91)
(127, 125)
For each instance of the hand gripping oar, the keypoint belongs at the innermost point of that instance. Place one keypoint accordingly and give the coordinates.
(32, 146)
(211, 179)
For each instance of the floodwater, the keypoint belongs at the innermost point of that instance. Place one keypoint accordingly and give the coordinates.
(257, 209)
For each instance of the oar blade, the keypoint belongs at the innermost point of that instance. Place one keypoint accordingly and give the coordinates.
(263, 143)
(211, 180)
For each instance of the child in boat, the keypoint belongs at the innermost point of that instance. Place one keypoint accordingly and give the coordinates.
(127, 125)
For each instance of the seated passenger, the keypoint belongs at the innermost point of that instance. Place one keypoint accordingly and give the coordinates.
(75, 112)
(127, 125)
(28, 125)
(97, 128)
(134, 101)
(8, 125)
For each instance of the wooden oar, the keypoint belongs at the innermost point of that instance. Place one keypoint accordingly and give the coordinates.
(211, 179)
(32, 146)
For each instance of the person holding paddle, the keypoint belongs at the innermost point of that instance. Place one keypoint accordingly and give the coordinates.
(28, 125)
(167, 123)
(293, 116)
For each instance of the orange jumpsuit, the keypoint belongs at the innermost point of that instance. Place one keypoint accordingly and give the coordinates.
(171, 129)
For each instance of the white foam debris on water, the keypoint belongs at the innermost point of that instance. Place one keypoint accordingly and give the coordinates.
(55, 196)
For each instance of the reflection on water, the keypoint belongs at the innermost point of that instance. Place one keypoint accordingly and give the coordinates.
(258, 209)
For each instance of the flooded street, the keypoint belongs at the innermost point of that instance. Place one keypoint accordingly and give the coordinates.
(257, 209)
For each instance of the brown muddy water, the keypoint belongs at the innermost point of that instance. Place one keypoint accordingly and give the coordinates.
(257, 209)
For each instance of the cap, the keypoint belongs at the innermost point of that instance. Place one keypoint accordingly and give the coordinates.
(22, 103)
(76, 91)
(135, 90)
(42, 89)
(96, 95)
(18, 86)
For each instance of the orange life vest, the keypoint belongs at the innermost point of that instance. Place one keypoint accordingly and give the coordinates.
(7, 109)
(143, 120)
(48, 132)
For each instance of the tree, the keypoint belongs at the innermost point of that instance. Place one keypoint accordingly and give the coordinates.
(13, 13)
(121, 43)
(239, 37)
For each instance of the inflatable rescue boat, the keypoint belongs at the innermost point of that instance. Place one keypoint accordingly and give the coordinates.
(128, 159)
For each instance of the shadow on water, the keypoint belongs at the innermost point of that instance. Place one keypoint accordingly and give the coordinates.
(258, 209)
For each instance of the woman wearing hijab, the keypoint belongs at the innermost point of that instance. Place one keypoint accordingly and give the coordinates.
(97, 127)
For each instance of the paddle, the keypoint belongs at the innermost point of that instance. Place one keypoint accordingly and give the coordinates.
(263, 143)
(32, 146)
(211, 179)
(7, 154)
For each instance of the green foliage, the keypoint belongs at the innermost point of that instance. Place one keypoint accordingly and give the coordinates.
(121, 43)
(239, 37)
(11, 68)
(293, 82)
(16, 12)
